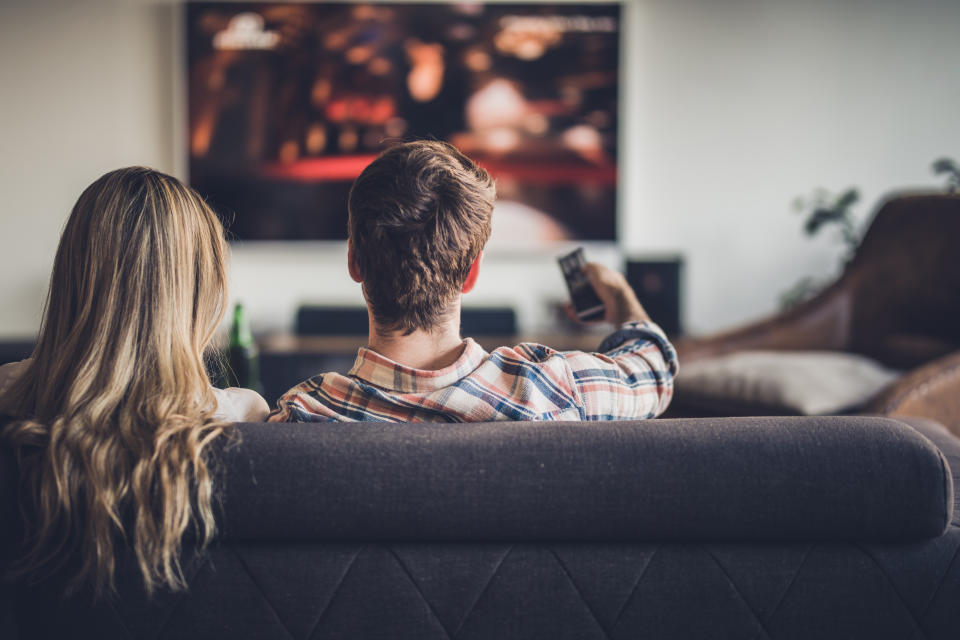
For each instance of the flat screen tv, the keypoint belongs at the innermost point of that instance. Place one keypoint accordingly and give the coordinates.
(288, 102)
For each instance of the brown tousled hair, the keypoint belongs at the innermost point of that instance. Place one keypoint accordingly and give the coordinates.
(419, 217)
(115, 410)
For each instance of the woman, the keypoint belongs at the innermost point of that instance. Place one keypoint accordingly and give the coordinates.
(114, 412)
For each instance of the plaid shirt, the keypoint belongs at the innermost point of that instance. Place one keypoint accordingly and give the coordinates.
(632, 378)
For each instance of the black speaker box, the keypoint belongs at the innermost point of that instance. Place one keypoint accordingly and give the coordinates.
(349, 321)
(657, 283)
(321, 320)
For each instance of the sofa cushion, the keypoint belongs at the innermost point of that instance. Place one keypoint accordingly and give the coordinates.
(785, 478)
(783, 382)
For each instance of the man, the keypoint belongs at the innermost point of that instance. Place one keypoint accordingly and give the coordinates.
(419, 218)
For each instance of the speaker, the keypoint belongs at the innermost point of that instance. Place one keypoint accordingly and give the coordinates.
(319, 320)
(657, 284)
(488, 321)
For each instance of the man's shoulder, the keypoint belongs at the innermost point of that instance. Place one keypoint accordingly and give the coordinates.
(319, 383)
(632, 339)
(305, 402)
(533, 355)
(529, 351)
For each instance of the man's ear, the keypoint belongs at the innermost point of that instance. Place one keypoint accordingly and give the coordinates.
(472, 276)
(352, 266)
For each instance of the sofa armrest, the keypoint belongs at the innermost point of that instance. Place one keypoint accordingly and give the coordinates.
(822, 323)
(931, 391)
(949, 446)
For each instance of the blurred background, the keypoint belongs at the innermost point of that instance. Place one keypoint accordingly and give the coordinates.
(727, 112)
(289, 102)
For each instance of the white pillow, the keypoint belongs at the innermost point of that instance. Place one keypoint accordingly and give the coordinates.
(802, 382)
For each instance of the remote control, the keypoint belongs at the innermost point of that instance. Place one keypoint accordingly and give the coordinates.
(586, 302)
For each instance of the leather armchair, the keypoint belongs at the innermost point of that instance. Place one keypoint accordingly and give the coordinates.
(896, 302)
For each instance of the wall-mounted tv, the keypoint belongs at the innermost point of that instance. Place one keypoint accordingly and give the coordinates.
(288, 102)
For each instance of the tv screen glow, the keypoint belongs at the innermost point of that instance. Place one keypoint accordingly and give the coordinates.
(289, 102)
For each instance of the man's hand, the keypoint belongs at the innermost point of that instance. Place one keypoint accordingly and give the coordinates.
(618, 298)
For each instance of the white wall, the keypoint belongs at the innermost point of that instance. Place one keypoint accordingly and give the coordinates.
(731, 110)
(739, 106)
(84, 88)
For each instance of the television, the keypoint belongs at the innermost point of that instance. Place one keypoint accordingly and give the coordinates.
(288, 102)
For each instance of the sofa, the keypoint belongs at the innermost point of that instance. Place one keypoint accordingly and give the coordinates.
(766, 528)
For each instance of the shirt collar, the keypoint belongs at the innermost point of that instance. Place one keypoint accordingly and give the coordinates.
(383, 372)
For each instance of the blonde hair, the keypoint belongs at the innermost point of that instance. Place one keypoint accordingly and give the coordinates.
(115, 410)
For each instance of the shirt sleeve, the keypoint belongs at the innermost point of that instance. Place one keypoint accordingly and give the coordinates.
(298, 405)
(631, 375)
(240, 405)
(282, 413)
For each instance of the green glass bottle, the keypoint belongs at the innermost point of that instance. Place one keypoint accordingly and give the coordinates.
(242, 361)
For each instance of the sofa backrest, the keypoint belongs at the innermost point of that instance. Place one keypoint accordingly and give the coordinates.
(834, 478)
(780, 478)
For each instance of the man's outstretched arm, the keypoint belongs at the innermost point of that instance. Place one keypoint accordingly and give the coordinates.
(632, 376)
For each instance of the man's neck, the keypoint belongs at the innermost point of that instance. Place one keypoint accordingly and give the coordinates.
(427, 350)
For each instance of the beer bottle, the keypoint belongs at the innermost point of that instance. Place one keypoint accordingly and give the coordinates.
(244, 370)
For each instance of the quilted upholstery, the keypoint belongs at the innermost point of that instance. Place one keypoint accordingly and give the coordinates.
(530, 591)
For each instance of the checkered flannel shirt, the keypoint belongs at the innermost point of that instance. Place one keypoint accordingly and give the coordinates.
(631, 377)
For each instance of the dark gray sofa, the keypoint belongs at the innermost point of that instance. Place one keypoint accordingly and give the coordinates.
(840, 527)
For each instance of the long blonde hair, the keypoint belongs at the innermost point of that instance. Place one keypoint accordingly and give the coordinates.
(115, 410)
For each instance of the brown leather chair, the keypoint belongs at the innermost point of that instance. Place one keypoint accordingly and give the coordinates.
(897, 301)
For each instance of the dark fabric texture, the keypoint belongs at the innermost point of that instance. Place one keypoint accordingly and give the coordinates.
(768, 479)
(8, 502)
(284, 574)
(949, 446)
(788, 591)
(9, 535)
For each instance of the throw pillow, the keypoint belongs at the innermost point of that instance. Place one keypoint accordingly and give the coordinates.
(792, 382)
